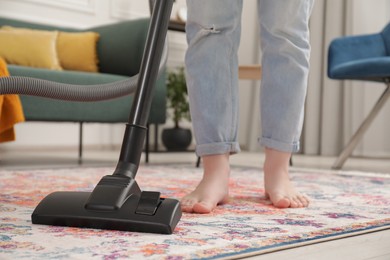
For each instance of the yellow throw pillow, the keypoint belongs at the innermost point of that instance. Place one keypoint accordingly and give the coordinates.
(77, 51)
(33, 49)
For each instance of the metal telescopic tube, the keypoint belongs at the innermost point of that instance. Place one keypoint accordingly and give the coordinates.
(150, 62)
(134, 138)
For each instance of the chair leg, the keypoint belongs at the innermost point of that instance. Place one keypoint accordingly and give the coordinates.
(80, 143)
(198, 162)
(362, 129)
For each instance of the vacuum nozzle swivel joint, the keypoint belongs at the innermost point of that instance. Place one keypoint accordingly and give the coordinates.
(111, 193)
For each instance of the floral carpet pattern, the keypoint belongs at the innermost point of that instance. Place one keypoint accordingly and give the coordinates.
(342, 204)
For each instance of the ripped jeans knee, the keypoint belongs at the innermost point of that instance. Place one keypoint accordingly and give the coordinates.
(213, 36)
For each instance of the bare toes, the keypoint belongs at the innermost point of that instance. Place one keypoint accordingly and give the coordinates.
(280, 201)
(283, 203)
(187, 205)
(304, 200)
(294, 203)
(203, 207)
(298, 203)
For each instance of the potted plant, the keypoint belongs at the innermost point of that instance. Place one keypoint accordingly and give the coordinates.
(177, 138)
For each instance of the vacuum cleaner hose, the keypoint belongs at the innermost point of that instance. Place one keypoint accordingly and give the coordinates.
(84, 93)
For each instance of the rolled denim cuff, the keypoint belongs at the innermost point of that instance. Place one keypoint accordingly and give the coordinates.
(280, 146)
(217, 148)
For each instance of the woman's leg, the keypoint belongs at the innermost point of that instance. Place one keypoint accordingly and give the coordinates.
(284, 36)
(213, 35)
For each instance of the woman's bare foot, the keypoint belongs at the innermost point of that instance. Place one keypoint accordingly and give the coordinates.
(278, 186)
(213, 189)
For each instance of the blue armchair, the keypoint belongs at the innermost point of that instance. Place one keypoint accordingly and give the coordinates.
(361, 57)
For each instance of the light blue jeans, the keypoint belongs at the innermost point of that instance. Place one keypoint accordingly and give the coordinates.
(213, 35)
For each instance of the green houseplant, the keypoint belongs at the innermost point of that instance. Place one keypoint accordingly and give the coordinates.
(177, 138)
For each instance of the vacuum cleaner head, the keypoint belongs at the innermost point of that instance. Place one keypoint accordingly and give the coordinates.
(136, 211)
(117, 202)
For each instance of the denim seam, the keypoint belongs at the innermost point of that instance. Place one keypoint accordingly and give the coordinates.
(217, 148)
(278, 145)
(232, 125)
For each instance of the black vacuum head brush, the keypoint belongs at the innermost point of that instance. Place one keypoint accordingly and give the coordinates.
(135, 214)
(112, 206)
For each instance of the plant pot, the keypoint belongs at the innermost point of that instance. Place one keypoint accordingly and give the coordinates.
(176, 139)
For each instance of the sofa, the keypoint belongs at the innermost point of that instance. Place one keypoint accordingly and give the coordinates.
(119, 50)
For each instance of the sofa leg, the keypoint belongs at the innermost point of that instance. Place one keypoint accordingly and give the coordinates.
(80, 161)
(155, 137)
(147, 144)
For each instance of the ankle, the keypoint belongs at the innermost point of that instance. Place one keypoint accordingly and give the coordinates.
(216, 164)
(276, 161)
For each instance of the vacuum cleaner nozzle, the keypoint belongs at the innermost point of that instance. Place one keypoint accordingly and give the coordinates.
(117, 202)
(137, 211)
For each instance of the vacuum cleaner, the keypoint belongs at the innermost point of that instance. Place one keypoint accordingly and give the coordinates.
(117, 202)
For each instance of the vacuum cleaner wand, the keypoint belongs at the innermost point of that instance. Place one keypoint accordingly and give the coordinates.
(117, 201)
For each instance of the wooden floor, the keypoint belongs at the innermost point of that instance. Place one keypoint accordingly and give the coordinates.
(372, 246)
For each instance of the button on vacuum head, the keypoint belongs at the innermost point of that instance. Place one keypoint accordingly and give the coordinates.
(148, 203)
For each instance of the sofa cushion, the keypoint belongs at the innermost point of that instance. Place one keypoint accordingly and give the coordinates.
(75, 50)
(30, 48)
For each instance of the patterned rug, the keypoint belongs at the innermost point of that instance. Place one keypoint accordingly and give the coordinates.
(343, 204)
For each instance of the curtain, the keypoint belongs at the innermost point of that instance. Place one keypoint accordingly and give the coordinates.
(335, 109)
